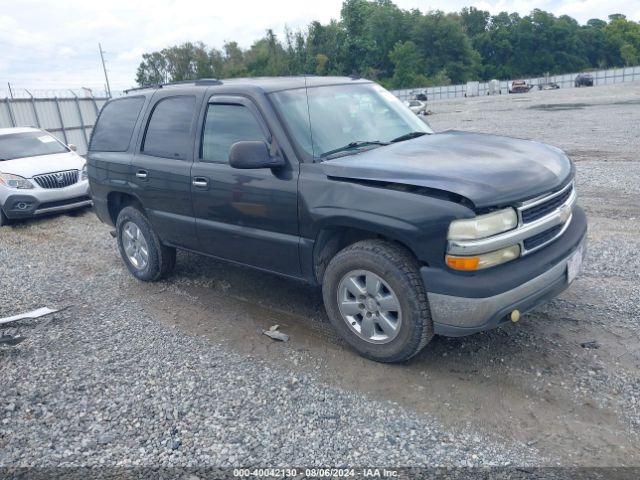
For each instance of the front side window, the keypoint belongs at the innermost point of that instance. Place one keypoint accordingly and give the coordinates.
(115, 125)
(323, 119)
(226, 124)
(169, 129)
(29, 144)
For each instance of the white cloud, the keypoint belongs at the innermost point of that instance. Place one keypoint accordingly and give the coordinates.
(583, 9)
(54, 44)
(66, 52)
(13, 34)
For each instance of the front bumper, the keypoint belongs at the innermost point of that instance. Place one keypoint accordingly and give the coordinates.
(39, 201)
(466, 304)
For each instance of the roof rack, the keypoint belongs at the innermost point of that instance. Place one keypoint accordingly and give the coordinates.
(145, 87)
(198, 82)
(208, 81)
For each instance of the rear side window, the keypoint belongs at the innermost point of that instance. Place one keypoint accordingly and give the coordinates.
(169, 130)
(115, 125)
(224, 126)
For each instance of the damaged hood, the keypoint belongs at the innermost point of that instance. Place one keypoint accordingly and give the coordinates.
(489, 170)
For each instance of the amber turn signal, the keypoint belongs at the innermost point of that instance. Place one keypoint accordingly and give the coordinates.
(463, 263)
(484, 260)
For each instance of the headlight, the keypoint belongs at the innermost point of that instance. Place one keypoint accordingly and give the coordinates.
(14, 181)
(483, 225)
(485, 260)
(83, 172)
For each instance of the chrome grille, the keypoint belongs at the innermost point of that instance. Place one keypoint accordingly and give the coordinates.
(544, 206)
(539, 229)
(57, 179)
(537, 211)
(542, 238)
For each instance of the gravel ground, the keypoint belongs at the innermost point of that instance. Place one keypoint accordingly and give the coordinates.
(105, 383)
(599, 129)
(176, 373)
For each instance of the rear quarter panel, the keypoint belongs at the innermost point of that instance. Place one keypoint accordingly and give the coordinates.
(108, 172)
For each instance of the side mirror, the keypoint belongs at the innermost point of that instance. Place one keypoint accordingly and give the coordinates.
(252, 154)
(73, 147)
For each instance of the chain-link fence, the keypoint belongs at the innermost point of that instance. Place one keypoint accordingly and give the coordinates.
(70, 118)
(11, 92)
(71, 114)
(600, 77)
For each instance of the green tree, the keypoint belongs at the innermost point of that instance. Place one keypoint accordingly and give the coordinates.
(444, 46)
(181, 62)
(591, 39)
(629, 54)
(475, 22)
(321, 64)
(619, 33)
(233, 63)
(153, 69)
(409, 48)
(407, 62)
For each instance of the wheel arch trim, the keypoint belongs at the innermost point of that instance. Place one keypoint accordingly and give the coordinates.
(333, 236)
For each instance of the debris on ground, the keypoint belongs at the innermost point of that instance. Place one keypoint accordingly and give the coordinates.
(274, 333)
(37, 313)
(11, 340)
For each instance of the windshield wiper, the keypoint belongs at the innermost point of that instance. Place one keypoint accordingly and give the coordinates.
(408, 136)
(352, 145)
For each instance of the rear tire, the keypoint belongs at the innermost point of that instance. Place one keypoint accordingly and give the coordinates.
(3, 218)
(400, 300)
(142, 251)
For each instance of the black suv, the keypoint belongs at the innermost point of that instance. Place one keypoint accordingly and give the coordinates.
(335, 182)
(583, 80)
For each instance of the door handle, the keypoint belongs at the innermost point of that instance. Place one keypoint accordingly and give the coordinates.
(142, 174)
(200, 182)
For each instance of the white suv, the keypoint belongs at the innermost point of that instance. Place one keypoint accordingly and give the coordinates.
(39, 174)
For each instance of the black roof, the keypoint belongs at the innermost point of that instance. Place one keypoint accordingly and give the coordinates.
(266, 84)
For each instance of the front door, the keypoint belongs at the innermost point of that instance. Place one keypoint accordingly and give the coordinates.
(246, 216)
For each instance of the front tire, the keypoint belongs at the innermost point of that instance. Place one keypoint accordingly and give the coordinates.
(375, 299)
(142, 252)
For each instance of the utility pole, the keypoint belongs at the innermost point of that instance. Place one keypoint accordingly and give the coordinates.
(106, 77)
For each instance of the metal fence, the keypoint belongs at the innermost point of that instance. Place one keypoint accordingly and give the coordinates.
(70, 118)
(72, 115)
(600, 77)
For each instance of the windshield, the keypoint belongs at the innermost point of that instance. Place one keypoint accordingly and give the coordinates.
(28, 144)
(345, 117)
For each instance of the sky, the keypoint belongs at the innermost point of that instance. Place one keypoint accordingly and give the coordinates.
(54, 44)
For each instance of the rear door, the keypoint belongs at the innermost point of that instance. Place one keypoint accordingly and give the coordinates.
(247, 216)
(161, 167)
(110, 150)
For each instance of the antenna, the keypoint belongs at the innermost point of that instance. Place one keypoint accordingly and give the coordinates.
(104, 68)
(306, 93)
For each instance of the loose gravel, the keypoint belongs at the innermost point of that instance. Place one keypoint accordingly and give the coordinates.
(105, 383)
(110, 380)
